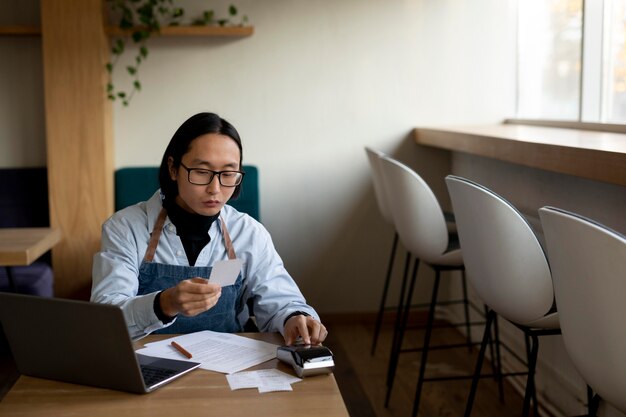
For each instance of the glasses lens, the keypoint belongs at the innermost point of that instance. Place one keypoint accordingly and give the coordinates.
(200, 176)
(230, 178)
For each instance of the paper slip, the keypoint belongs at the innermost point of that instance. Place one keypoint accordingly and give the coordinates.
(226, 272)
(266, 380)
(220, 352)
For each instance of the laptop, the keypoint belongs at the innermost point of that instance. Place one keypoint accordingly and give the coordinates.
(80, 342)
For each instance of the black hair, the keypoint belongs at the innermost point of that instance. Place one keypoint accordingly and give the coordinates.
(197, 125)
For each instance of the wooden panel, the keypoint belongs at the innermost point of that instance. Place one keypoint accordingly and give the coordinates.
(78, 136)
(599, 156)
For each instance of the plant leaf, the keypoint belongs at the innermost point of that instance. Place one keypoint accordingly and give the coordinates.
(138, 36)
(137, 85)
(232, 10)
(109, 67)
(119, 46)
(131, 70)
(109, 88)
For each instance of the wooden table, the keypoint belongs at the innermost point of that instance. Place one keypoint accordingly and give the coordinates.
(23, 245)
(200, 393)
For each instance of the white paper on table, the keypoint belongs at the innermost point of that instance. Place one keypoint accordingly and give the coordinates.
(266, 380)
(272, 387)
(220, 352)
(225, 272)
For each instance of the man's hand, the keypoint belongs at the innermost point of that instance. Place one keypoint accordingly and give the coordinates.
(190, 297)
(312, 331)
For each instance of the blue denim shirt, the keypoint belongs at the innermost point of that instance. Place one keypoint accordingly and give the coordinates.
(125, 237)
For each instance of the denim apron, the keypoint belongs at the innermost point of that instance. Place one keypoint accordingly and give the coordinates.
(153, 277)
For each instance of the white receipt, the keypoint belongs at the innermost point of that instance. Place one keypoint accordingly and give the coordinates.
(225, 272)
(266, 380)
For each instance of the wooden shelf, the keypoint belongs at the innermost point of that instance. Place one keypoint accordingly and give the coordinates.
(217, 31)
(16, 30)
(599, 156)
(234, 31)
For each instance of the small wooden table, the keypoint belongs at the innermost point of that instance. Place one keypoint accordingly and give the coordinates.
(199, 393)
(23, 245)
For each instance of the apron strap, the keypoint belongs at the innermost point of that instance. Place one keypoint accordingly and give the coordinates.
(156, 235)
(227, 242)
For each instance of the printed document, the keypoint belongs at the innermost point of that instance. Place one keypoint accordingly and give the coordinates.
(220, 352)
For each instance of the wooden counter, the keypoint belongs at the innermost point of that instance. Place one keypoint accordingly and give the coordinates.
(594, 155)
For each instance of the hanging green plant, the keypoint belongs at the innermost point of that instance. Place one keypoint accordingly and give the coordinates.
(139, 20)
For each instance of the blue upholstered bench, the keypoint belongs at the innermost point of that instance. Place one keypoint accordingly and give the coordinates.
(24, 203)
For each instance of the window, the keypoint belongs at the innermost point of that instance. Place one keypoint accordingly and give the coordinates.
(615, 58)
(572, 60)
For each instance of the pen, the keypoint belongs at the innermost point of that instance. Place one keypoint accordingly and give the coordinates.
(181, 349)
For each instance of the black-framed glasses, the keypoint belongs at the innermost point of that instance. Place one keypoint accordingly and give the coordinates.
(202, 176)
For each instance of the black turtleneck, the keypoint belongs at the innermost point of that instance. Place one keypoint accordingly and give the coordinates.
(192, 228)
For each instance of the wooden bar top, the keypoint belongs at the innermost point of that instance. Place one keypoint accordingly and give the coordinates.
(199, 393)
(589, 154)
(23, 245)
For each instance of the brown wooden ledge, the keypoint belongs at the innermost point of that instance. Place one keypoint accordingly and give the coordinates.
(594, 155)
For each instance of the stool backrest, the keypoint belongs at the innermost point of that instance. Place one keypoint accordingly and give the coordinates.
(135, 184)
(588, 263)
(373, 157)
(505, 262)
(416, 213)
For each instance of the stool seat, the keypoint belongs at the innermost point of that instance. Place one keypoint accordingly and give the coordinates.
(508, 269)
(588, 261)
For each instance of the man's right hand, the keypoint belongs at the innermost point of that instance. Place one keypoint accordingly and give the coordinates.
(190, 297)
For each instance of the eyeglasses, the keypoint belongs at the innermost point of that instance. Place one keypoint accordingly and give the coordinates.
(201, 176)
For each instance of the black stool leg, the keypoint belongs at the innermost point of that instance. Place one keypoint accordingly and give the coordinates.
(479, 362)
(398, 320)
(593, 402)
(530, 383)
(429, 329)
(498, 360)
(467, 315)
(381, 309)
(402, 321)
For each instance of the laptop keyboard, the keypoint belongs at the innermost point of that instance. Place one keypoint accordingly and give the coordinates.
(153, 375)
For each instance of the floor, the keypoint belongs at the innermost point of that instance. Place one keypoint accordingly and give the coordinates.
(361, 376)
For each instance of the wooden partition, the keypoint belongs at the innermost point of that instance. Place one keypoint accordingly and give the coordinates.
(78, 136)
